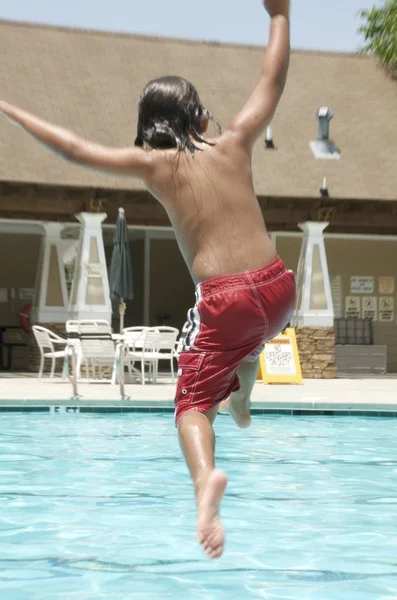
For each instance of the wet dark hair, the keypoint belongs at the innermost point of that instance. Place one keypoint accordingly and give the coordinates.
(169, 115)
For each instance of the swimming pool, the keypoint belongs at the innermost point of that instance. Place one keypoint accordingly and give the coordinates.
(101, 507)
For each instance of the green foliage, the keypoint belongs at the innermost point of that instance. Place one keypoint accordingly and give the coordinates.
(69, 272)
(380, 34)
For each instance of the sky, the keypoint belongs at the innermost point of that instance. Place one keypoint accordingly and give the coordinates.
(316, 24)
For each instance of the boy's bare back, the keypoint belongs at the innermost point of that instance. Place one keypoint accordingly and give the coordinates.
(212, 206)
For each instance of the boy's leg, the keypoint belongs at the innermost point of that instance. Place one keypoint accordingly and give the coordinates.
(197, 440)
(239, 403)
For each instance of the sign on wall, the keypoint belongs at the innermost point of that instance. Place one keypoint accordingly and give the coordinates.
(26, 293)
(362, 285)
(336, 292)
(386, 285)
(386, 309)
(370, 308)
(353, 307)
(3, 295)
(279, 362)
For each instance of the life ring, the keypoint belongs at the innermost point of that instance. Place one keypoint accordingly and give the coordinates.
(25, 318)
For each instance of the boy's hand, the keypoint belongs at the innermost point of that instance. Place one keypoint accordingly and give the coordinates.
(277, 7)
(258, 111)
(8, 111)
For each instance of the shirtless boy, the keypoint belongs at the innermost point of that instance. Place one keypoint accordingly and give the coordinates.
(244, 293)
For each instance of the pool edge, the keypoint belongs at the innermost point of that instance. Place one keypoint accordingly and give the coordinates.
(130, 406)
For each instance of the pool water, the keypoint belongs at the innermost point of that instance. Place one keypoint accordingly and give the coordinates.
(101, 507)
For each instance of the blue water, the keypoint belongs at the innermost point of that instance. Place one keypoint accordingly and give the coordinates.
(101, 507)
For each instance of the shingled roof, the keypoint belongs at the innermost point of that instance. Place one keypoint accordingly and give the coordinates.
(91, 81)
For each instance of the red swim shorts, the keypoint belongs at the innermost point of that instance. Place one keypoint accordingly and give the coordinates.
(233, 317)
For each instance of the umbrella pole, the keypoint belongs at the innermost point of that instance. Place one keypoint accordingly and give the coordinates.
(122, 313)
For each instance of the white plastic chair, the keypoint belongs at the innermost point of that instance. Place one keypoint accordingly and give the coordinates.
(132, 339)
(95, 345)
(73, 335)
(46, 341)
(134, 336)
(166, 348)
(146, 355)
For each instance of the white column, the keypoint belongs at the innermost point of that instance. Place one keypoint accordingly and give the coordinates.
(90, 296)
(314, 307)
(146, 279)
(50, 302)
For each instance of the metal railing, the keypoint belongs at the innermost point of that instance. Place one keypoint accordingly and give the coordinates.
(119, 365)
(71, 374)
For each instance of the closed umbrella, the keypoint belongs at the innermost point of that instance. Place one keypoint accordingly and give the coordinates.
(121, 285)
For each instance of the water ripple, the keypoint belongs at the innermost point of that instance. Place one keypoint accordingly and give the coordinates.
(101, 507)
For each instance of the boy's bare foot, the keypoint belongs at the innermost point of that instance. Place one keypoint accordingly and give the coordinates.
(210, 532)
(238, 410)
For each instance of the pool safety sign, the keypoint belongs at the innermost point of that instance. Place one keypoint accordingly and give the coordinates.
(386, 309)
(370, 308)
(387, 285)
(279, 362)
(362, 285)
(353, 307)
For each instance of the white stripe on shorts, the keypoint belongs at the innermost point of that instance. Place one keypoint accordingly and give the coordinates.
(193, 317)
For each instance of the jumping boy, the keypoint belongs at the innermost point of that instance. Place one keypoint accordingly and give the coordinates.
(244, 293)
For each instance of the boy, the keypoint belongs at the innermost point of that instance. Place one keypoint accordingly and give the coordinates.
(244, 293)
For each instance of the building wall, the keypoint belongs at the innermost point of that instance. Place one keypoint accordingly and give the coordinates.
(347, 258)
(19, 259)
(171, 287)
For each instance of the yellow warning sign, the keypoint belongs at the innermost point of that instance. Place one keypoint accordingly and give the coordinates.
(279, 362)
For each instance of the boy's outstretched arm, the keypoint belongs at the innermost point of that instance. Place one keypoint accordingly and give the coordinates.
(122, 161)
(256, 115)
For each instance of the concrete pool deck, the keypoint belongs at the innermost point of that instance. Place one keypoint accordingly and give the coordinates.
(376, 397)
